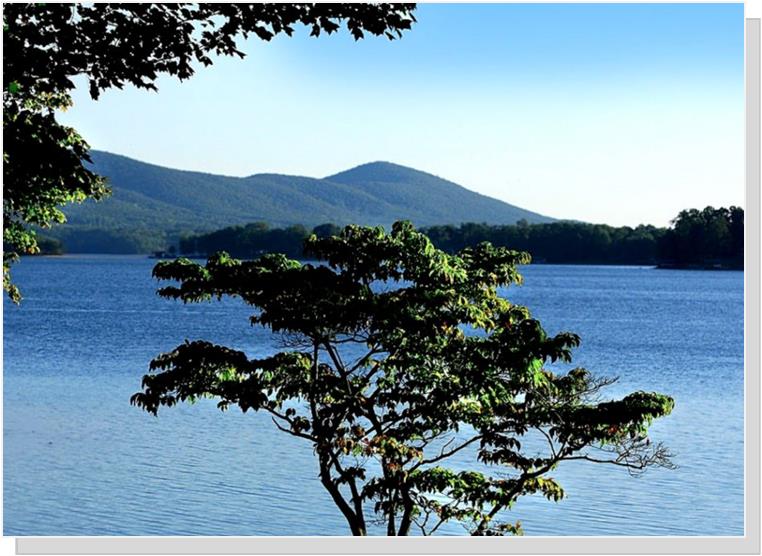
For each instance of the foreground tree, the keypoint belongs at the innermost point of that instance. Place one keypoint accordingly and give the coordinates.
(45, 46)
(399, 357)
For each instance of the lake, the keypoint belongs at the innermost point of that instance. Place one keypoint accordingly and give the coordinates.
(79, 460)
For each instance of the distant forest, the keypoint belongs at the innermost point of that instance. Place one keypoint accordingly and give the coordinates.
(709, 238)
(697, 238)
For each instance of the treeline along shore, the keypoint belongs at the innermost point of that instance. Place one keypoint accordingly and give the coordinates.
(711, 238)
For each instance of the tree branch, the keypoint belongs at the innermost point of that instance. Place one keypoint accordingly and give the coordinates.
(291, 431)
(444, 455)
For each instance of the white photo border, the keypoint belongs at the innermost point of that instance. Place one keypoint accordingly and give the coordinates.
(747, 544)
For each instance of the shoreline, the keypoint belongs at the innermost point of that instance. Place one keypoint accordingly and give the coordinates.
(652, 265)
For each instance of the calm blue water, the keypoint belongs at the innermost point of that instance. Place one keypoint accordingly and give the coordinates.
(79, 460)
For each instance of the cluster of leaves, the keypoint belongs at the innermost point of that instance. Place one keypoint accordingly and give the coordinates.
(45, 46)
(402, 356)
(42, 170)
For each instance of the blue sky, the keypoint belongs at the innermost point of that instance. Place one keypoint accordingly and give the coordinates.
(612, 113)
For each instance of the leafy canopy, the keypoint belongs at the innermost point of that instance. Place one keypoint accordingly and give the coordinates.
(400, 356)
(45, 46)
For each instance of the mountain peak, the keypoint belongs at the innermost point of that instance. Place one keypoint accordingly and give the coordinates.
(378, 171)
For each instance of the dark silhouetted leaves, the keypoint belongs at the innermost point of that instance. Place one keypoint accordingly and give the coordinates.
(45, 46)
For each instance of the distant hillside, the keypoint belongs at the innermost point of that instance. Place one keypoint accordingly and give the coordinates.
(151, 204)
(427, 199)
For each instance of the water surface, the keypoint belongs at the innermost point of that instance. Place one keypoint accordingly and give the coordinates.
(79, 460)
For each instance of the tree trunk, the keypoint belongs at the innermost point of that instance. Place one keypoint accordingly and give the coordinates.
(356, 523)
(407, 512)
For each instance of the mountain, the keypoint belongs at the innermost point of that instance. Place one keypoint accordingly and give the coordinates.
(427, 199)
(148, 200)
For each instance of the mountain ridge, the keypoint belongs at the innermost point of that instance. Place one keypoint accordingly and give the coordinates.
(152, 198)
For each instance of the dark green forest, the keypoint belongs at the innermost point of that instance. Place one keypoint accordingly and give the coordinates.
(153, 198)
(705, 238)
(708, 238)
(253, 240)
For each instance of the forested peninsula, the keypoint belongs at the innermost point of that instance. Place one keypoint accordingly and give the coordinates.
(709, 238)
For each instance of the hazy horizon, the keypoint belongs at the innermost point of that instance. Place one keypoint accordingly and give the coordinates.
(558, 109)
